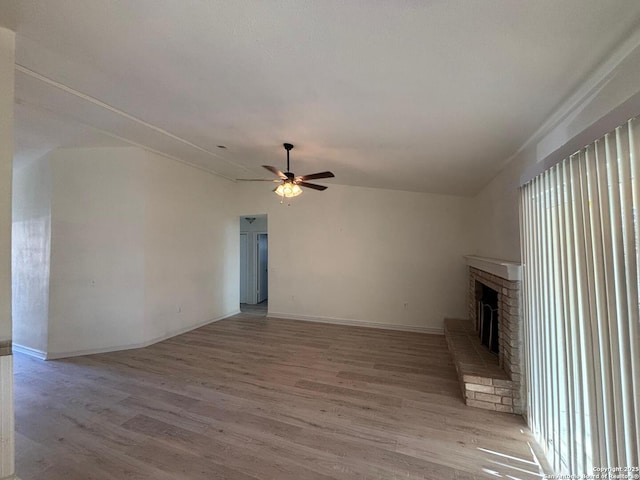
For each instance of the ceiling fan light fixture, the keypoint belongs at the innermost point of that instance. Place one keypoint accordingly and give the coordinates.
(290, 185)
(288, 190)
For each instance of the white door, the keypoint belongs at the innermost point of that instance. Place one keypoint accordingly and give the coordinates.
(244, 268)
(263, 267)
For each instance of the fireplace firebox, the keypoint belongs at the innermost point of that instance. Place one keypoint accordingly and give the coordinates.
(487, 317)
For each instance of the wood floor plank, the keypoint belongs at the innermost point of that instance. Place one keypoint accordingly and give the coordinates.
(250, 398)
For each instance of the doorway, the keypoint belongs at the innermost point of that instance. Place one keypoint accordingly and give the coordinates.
(254, 264)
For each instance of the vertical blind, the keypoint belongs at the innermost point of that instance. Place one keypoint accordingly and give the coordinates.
(581, 255)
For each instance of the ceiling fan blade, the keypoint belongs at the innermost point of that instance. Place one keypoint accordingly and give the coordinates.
(275, 171)
(312, 185)
(315, 176)
(256, 180)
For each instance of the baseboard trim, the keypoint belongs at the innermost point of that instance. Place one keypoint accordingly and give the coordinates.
(357, 323)
(32, 352)
(175, 333)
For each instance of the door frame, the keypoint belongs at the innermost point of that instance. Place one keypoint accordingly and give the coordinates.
(257, 265)
(244, 276)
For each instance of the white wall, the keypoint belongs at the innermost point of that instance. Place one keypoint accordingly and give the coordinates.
(192, 269)
(142, 248)
(97, 286)
(31, 239)
(360, 254)
(607, 98)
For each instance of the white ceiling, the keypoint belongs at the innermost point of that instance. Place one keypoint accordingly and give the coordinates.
(413, 95)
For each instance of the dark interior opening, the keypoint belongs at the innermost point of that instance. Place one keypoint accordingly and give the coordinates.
(488, 317)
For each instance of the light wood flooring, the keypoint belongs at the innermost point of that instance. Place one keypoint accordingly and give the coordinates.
(253, 398)
(259, 309)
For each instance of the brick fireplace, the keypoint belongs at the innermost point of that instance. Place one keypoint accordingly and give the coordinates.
(509, 324)
(490, 376)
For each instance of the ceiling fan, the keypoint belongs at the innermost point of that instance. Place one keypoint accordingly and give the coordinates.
(290, 185)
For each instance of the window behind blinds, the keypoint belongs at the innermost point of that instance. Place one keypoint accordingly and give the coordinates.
(581, 247)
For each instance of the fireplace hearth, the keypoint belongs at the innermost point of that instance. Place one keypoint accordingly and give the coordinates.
(486, 347)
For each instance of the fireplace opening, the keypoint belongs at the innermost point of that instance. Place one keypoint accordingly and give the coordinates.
(488, 318)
